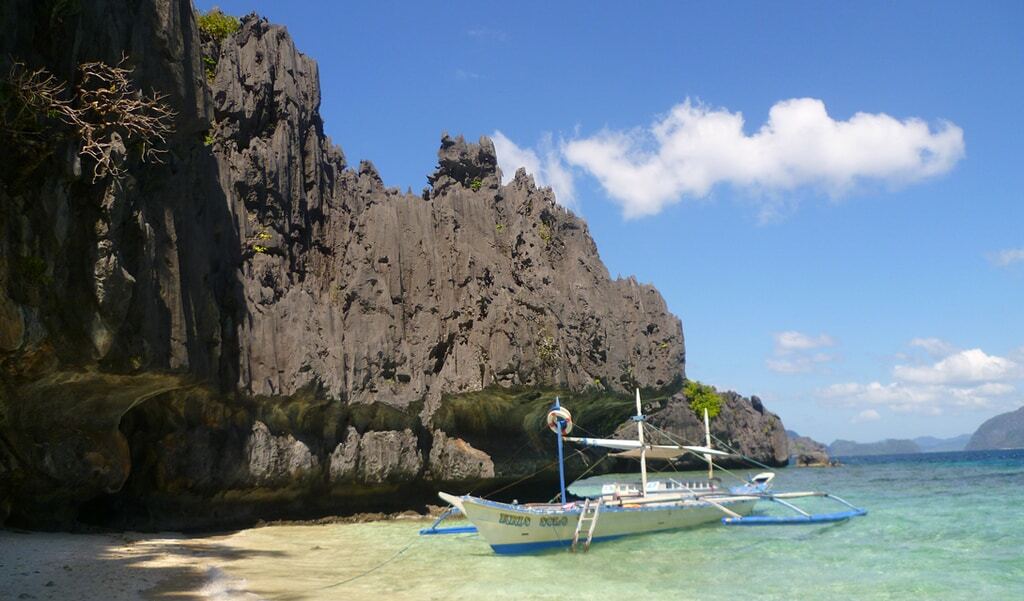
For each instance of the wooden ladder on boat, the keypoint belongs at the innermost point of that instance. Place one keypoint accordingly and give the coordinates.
(588, 517)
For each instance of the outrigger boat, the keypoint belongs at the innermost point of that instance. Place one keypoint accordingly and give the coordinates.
(619, 509)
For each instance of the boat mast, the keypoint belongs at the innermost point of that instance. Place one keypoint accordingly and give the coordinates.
(561, 460)
(707, 443)
(643, 448)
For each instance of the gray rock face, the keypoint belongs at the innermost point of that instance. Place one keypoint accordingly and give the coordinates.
(453, 459)
(277, 460)
(389, 455)
(344, 461)
(742, 424)
(377, 295)
(1004, 431)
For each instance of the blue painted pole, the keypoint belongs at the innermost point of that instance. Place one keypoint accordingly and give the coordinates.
(561, 459)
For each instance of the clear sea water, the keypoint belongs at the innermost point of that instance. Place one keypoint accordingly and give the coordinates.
(940, 526)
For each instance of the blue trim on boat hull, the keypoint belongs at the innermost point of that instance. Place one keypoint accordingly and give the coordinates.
(518, 548)
(768, 520)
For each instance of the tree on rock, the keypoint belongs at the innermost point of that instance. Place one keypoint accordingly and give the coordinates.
(701, 397)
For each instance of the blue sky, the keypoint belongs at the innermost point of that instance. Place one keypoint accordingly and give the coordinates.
(862, 271)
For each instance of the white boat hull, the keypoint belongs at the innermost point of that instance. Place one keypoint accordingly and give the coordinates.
(525, 528)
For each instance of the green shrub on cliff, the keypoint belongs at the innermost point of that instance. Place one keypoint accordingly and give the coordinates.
(218, 25)
(701, 397)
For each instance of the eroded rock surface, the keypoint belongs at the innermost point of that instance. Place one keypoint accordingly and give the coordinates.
(275, 460)
(310, 319)
(454, 459)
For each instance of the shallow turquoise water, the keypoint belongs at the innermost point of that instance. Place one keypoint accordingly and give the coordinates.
(943, 526)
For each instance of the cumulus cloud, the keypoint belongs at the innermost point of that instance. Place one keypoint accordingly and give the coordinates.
(796, 352)
(694, 148)
(1007, 257)
(963, 380)
(791, 340)
(544, 164)
(935, 347)
(965, 366)
(927, 399)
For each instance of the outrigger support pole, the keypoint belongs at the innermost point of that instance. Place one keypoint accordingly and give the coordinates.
(561, 459)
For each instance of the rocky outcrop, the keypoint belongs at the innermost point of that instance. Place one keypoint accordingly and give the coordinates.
(1004, 431)
(275, 460)
(453, 459)
(255, 328)
(807, 452)
(743, 426)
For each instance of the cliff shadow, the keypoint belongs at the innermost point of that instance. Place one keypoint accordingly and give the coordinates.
(117, 566)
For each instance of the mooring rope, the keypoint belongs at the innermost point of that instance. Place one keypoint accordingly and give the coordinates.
(371, 570)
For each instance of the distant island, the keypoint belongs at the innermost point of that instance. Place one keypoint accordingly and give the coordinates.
(899, 446)
(931, 444)
(889, 446)
(1004, 431)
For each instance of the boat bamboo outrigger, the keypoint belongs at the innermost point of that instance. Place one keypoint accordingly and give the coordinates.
(623, 508)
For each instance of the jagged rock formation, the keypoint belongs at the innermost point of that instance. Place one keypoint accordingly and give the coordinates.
(1004, 431)
(254, 327)
(804, 451)
(743, 425)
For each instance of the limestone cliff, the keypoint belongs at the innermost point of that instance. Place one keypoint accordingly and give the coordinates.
(253, 327)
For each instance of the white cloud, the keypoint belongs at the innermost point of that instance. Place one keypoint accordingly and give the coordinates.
(694, 147)
(791, 340)
(795, 352)
(924, 399)
(798, 364)
(935, 347)
(868, 415)
(546, 168)
(962, 380)
(965, 366)
(1007, 257)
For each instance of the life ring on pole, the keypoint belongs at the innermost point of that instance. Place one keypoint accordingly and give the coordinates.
(561, 414)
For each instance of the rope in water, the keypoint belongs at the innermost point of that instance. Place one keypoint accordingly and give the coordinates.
(371, 570)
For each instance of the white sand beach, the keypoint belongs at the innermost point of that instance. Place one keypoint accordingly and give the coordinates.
(116, 567)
